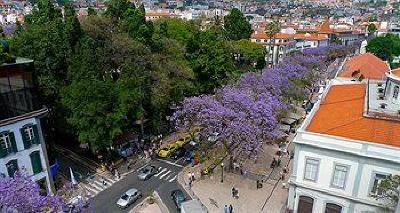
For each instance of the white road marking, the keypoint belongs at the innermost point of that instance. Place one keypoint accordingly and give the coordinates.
(174, 164)
(169, 171)
(142, 167)
(163, 170)
(172, 179)
(96, 186)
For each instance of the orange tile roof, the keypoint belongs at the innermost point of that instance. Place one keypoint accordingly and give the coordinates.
(263, 35)
(369, 65)
(158, 14)
(396, 72)
(325, 27)
(341, 114)
(311, 37)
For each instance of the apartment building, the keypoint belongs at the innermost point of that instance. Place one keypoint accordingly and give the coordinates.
(22, 145)
(349, 142)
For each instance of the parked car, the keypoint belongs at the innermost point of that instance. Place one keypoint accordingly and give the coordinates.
(129, 197)
(178, 153)
(178, 197)
(146, 172)
(182, 141)
(166, 151)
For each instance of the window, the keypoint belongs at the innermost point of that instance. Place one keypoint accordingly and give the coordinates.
(12, 167)
(5, 141)
(311, 169)
(30, 136)
(29, 133)
(36, 162)
(339, 176)
(396, 92)
(377, 178)
(333, 208)
(7, 144)
(305, 205)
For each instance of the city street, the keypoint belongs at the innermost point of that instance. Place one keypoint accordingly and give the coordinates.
(163, 182)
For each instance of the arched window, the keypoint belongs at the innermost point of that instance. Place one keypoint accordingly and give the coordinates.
(396, 92)
(305, 204)
(333, 208)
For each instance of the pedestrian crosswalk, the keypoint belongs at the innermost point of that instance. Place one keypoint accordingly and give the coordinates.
(95, 185)
(166, 174)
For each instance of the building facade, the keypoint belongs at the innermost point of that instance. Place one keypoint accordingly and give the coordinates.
(346, 146)
(22, 145)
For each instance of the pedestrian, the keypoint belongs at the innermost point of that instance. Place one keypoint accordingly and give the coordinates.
(282, 176)
(190, 183)
(230, 208)
(237, 194)
(233, 191)
(192, 176)
(104, 182)
(117, 174)
(226, 209)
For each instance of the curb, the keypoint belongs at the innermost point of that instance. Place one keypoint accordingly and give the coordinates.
(184, 185)
(161, 204)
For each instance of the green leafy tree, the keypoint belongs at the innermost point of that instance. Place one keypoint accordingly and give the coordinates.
(389, 189)
(134, 23)
(211, 60)
(106, 94)
(72, 27)
(371, 29)
(272, 29)
(385, 47)
(237, 26)
(91, 11)
(249, 55)
(175, 28)
(117, 8)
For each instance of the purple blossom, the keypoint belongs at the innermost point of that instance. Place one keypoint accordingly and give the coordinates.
(20, 193)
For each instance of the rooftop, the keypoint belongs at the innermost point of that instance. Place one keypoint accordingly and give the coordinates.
(367, 64)
(341, 113)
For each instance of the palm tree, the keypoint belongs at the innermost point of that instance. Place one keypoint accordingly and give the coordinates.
(271, 30)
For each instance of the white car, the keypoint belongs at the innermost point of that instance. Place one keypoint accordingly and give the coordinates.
(129, 197)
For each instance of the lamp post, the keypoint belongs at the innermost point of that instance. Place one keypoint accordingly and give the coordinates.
(222, 172)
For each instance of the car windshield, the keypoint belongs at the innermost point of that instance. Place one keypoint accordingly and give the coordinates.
(145, 170)
(124, 197)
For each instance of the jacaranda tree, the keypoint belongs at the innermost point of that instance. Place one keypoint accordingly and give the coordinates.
(21, 194)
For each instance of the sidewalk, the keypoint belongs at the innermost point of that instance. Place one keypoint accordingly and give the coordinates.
(214, 194)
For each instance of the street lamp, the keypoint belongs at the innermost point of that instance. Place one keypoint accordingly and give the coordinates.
(222, 173)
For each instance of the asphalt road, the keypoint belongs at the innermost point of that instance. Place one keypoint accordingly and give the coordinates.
(164, 183)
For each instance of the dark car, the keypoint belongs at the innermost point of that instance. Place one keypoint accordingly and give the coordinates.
(178, 153)
(178, 197)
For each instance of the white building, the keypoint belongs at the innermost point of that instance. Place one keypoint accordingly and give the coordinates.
(348, 143)
(22, 145)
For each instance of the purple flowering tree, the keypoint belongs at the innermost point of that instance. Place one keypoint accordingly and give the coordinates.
(21, 194)
(246, 113)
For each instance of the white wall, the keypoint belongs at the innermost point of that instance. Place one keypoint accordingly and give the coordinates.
(22, 156)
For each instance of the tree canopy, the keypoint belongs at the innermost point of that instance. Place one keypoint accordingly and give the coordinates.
(101, 74)
(384, 47)
(237, 26)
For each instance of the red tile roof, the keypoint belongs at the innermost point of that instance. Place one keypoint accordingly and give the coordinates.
(341, 114)
(263, 35)
(311, 36)
(396, 72)
(325, 27)
(367, 64)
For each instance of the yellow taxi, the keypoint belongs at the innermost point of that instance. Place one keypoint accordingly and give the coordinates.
(166, 151)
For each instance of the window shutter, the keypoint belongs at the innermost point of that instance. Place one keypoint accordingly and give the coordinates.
(27, 143)
(36, 138)
(36, 163)
(13, 143)
(3, 151)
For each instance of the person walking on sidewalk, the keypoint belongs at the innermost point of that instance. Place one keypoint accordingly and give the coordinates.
(230, 208)
(226, 209)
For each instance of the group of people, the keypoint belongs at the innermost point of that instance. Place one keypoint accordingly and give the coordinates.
(228, 209)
